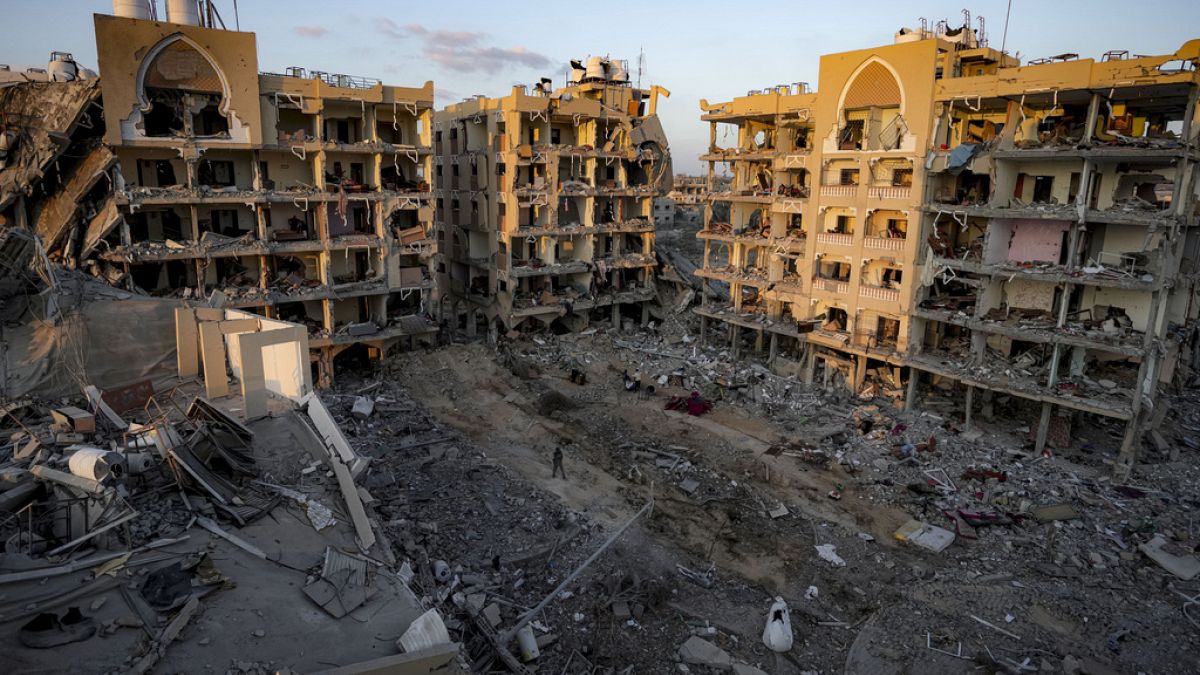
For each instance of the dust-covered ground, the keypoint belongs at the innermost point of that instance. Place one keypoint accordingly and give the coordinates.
(743, 513)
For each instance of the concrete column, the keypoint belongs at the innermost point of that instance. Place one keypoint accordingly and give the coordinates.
(1132, 441)
(645, 314)
(735, 335)
(810, 364)
(860, 373)
(774, 348)
(969, 407)
(910, 396)
(256, 179)
(1078, 360)
(987, 410)
(758, 341)
(703, 329)
(1043, 428)
(325, 368)
(616, 316)
(327, 315)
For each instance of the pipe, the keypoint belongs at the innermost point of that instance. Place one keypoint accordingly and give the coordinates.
(508, 635)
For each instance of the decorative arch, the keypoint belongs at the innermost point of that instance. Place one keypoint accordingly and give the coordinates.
(874, 83)
(181, 46)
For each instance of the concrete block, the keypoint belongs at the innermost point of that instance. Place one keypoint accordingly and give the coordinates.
(701, 652)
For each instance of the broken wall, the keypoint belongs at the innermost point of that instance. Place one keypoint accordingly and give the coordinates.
(109, 339)
(1029, 294)
(1135, 303)
(285, 364)
(1037, 240)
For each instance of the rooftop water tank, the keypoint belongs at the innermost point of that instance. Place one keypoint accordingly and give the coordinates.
(62, 67)
(132, 9)
(617, 72)
(185, 12)
(596, 69)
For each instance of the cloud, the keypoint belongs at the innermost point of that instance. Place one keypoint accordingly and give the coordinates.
(310, 31)
(463, 51)
(390, 28)
(486, 59)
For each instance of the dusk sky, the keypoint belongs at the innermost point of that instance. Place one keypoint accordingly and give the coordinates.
(696, 49)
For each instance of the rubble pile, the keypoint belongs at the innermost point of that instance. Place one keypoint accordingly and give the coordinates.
(486, 545)
(119, 511)
(923, 541)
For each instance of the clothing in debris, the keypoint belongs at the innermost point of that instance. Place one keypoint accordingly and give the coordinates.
(693, 405)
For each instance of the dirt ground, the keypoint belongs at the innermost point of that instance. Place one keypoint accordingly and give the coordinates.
(879, 613)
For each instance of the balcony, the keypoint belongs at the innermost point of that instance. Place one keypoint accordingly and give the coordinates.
(835, 238)
(889, 192)
(831, 285)
(884, 243)
(838, 190)
(879, 293)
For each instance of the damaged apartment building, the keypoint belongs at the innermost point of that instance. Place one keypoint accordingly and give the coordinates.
(937, 212)
(302, 196)
(545, 202)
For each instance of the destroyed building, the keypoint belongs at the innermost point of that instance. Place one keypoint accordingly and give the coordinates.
(939, 213)
(689, 191)
(545, 201)
(185, 487)
(301, 195)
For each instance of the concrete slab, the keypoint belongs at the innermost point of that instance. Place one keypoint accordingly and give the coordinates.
(701, 652)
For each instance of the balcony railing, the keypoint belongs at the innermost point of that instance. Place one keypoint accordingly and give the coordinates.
(835, 238)
(888, 192)
(838, 190)
(878, 293)
(831, 285)
(884, 243)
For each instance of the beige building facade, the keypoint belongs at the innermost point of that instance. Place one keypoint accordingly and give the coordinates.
(545, 202)
(301, 195)
(938, 214)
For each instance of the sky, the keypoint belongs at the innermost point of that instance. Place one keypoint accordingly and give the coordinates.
(694, 48)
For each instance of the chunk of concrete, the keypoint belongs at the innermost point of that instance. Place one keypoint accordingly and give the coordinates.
(700, 652)
(1185, 567)
(746, 669)
(929, 537)
(621, 610)
(363, 407)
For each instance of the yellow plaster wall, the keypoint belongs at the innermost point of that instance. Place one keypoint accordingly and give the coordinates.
(122, 44)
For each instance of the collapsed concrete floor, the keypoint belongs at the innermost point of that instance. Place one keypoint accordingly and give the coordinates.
(1064, 571)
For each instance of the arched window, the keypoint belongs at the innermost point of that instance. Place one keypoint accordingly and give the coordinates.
(871, 110)
(182, 92)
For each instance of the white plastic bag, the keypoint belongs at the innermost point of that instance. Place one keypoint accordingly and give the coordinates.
(777, 635)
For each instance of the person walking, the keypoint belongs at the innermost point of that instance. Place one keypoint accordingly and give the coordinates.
(558, 464)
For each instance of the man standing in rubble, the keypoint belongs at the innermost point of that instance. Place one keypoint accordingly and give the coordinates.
(558, 465)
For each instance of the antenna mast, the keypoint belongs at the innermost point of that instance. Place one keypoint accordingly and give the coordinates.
(1004, 36)
(641, 65)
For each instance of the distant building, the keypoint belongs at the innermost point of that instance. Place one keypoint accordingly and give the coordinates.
(664, 211)
(689, 190)
(545, 201)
